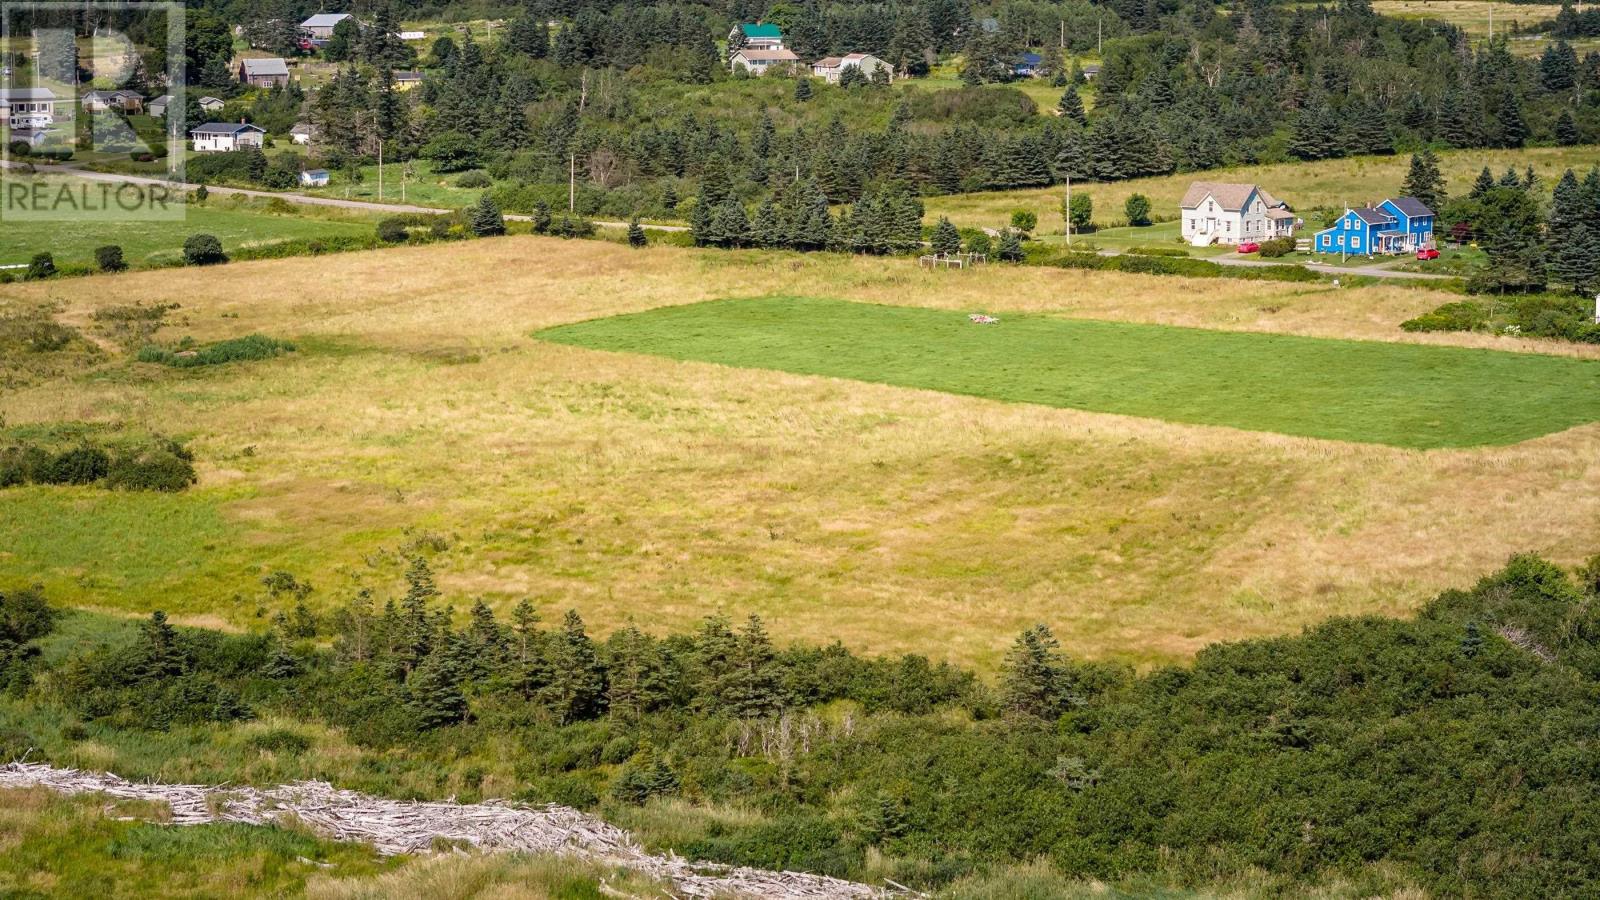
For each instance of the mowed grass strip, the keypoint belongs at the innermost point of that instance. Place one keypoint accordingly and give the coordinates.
(1402, 395)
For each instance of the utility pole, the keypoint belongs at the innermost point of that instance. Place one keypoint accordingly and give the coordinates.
(1063, 34)
(572, 183)
(1100, 37)
(1068, 216)
(380, 170)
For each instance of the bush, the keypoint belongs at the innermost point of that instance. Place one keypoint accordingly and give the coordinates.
(249, 347)
(1024, 220)
(20, 149)
(1137, 209)
(166, 466)
(43, 265)
(392, 230)
(203, 250)
(475, 179)
(80, 465)
(109, 258)
(1277, 247)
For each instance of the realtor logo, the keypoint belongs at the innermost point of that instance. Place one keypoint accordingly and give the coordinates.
(91, 110)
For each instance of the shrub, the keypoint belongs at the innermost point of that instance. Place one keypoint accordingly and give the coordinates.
(391, 230)
(1277, 247)
(203, 250)
(43, 265)
(1024, 220)
(1137, 209)
(166, 466)
(475, 179)
(109, 258)
(249, 347)
(80, 465)
(20, 148)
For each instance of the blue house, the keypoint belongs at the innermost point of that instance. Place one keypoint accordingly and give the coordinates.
(1028, 65)
(1402, 225)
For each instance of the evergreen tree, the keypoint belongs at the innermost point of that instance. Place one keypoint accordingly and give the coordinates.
(765, 230)
(160, 654)
(636, 235)
(802, 89)
(577, 681)
(1034, 676)
(1566, 130)
(753, 687)
(1071, 106)
(434, 691)
(344, 40)
(1461, 119)
(1423, 180)
(485, 219)
(529, 35)
(1509, 231)
(1484, 182)
(524, 630)
(417, 627)
(1513, 128)
(1558, 68)
(541, 217)
(637, 680)
(1314, 134)
(1472, 640)
(1010, 246)
(946, 239)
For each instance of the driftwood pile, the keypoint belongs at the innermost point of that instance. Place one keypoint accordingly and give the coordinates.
(397, 826)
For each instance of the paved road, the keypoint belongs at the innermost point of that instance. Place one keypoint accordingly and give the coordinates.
(287, 196)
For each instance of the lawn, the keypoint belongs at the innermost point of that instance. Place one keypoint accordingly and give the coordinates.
(1305, 186)
(1403, 396)
(422, 411)
(236, 222)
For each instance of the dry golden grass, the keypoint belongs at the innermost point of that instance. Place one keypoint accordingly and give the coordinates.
(638, 487)
(1305, 186)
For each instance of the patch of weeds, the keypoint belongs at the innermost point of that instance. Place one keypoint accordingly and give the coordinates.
(186, 355)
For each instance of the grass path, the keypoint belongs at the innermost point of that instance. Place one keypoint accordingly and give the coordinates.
(1403, 396)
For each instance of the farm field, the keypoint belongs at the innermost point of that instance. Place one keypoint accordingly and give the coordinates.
(1396, 394)
(1305, 186)
(236, 222)
(423, 411)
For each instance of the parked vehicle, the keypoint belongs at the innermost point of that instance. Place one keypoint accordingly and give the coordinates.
(1249, 247)
(1427, 253)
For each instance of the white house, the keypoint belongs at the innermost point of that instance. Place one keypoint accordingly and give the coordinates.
(100, 101)
(1216, 212)
(832, 67)
(210, 104)
(320, 26)
(158, 106)
(758, 62)
(302, 132)
(28, 107)
(222, 137)
(314, 178)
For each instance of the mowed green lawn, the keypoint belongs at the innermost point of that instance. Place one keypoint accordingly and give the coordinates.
(1403, 395)
(148, 241)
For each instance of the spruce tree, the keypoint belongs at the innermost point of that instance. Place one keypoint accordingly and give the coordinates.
(802, 90)
(753, 683)
(1423, 180)
(765, 230)
(576, 680)
(1034, 676)
(1566, 130)
(1071, 106)
(434, 691)
(946, 239)
(637, 680)
(1484, 182)
(485, 219)
(159, 652)
(1010, 246)
(541, 217)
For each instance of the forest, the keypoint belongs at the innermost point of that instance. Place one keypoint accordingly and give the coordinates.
(1448, 747)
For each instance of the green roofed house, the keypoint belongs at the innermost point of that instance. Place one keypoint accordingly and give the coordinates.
(756, 37)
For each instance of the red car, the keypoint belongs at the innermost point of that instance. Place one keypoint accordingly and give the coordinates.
(1249, 247)
(1428, 253)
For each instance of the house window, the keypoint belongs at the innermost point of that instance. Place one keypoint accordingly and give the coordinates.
(1355, 243)
(1341, 240)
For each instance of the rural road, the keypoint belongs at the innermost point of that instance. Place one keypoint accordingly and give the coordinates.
(289, 196)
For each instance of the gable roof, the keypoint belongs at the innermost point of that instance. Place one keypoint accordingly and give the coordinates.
(162, 100)
(761, 30)
(1411, 207)
(828, 62)
(767, 55)
(303, 128)
(1031, 59)
(224, 128)
(272, 66)
(209, 101)
(28, 94)
(1228, 195)
(112, 95)
(324, 20)
(1373, 216)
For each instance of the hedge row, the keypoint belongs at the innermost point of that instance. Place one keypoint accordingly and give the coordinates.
(1164, 265)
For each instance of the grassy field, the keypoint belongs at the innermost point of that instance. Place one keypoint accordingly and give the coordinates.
(1305, 186)
(421, 410)
(1404, 396)
(236, 222)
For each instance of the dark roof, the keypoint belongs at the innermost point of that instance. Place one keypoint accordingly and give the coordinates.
(1031, 59)
(1411, 207)
(223, 128)
(1374, 216)
(316, 173)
